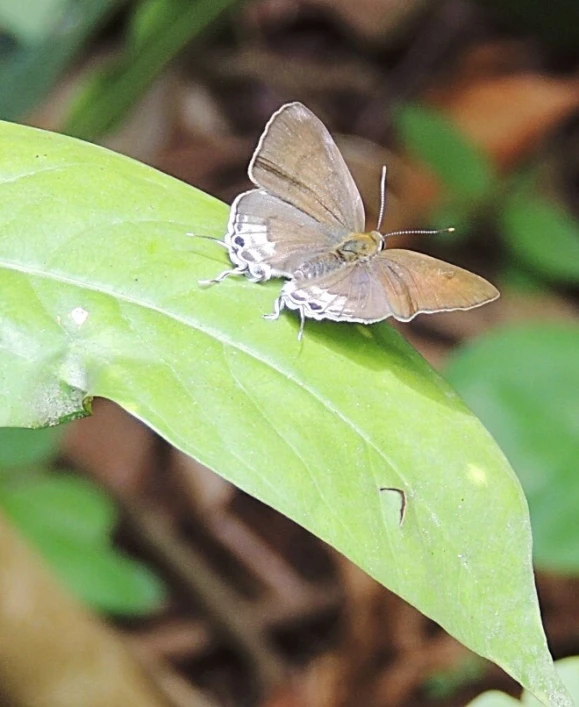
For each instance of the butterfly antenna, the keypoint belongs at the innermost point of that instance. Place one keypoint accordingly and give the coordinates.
(207, 238)
(382, 198)
(420, 232)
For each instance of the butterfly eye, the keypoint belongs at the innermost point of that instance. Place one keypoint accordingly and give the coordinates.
(239, 240)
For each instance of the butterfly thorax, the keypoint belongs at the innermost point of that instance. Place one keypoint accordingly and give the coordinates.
(354, 247)
(360, 246)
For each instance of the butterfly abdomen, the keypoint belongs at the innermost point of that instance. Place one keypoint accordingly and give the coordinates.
(318, 266)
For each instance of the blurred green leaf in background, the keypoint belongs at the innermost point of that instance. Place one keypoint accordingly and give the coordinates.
(157, 31)
(44, 37)
(539, 235)
(70, 522)
(44, 46)
(523, 383)
(31, 21)
(466, 171)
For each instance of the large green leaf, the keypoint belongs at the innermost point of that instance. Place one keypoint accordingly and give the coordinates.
(568, 669)
(100, 297)
(494, 698)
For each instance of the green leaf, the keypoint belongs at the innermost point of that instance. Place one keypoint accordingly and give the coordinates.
(102, 298)
(541, 236)
(69, 521)
(27, 73)
(158, 32)
(515, 278)
(456, 213)
(24, 448)
(494, 698)
(523, 383)
(445, 683)
(31, 20)
(568, 669)
(464, 169)
(103, 578)
(63, 506)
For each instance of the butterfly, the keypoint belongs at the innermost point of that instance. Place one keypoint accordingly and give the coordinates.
(305, 222)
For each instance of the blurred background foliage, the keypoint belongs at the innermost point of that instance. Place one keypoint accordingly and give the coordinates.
(71, 523)
(474, 106)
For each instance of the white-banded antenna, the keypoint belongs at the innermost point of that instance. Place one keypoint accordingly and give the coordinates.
(420, 232)
(382, 198)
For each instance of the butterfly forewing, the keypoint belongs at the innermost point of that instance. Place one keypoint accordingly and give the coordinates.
(273, 237)
(298, 161)
(415, 282)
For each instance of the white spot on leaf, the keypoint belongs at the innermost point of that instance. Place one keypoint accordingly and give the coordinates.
(79, 316)
(477, 475)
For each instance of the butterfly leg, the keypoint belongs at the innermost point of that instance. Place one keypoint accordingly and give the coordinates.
(278, 305)
(240, 270)
(302, 324)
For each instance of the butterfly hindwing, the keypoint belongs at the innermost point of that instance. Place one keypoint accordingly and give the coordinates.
(273, 238)
(397, 283)
(347, 293)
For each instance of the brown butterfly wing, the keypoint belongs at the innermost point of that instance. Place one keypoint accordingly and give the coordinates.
(415, 283)
(348, 293)
(298, 161)
(398, 283)
(273, 237)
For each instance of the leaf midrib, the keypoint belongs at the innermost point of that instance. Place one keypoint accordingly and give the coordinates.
(215, 334)
(225, 341)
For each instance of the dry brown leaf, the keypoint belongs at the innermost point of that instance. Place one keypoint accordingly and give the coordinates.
(113, 447)
(369, 19)
(375, 19)
(55, 652)
(509, 116)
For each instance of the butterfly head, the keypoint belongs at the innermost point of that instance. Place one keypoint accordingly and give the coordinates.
(358, 246)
